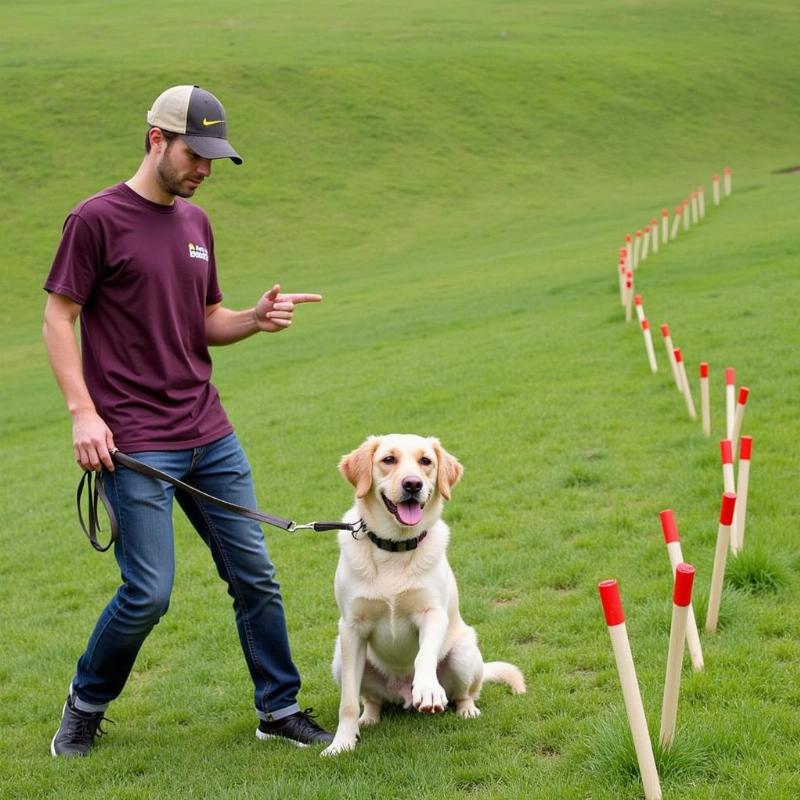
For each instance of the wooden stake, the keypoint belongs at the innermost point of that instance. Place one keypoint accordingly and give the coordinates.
(741, 492)
(648, 345)
(720, 557)
(664, 225)
(676, 221)
(727, 178)
(615, 619)
(654, 234)
(681, 599)
(671, 356)
(730, 400)
(673, 542)
(701, 200)
(705, 404)
(646, 242)
(715, 188)
(685, 388)
(738, 417)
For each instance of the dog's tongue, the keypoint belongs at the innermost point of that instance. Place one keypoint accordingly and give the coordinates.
(409, 512)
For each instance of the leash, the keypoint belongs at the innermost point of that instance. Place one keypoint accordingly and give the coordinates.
(92, 483)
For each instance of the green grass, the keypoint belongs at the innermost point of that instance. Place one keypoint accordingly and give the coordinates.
(456, 179)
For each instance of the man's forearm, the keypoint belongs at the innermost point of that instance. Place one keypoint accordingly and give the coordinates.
(224, 326)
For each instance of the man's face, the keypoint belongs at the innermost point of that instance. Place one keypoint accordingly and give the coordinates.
(180, 171)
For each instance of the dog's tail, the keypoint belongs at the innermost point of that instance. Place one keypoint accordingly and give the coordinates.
(503, 672)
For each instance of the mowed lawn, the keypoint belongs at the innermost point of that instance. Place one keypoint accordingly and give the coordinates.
(456, 179)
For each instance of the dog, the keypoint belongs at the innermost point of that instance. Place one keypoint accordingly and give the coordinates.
(401, 639)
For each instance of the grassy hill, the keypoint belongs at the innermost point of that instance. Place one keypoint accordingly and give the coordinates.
(455, 179)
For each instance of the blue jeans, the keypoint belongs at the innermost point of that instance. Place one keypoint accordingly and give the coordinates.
(146, 556)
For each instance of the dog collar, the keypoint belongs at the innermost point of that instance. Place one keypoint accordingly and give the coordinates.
(394, 546)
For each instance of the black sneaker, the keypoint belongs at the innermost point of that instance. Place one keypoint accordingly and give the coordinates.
(300, 729)
(76, 734)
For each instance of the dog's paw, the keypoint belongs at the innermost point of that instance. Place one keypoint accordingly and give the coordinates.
(371, 715)
(429, 698)
(466, 709)
(340, 745)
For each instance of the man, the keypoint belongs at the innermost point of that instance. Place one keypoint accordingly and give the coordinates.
(136, 264)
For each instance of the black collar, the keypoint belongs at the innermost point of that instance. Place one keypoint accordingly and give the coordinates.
(394, 546)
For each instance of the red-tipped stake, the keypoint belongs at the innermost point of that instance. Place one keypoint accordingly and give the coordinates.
(720, 557)
(705, 404)
(671, 355)
(676, 221)
(637, 249)
(646, 242)
(654, 233)
(648, 345)
(738, 416)
(685, 388)
(665, 225)
(726, 178)
(615, 619)
(685, 214)
(741, 492)
(730, 400)
(701, 201)
(637, 301)
(715, 188)
(622, 268)
(695, 209)
(681, 600)
(629, 250)
(673, 541)
(628, 295)
(726, 455)
(728, 478)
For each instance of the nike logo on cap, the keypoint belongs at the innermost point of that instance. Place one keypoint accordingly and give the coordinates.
(208, 122)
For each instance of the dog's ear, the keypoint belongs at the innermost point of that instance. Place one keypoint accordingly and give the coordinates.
(450, 470)
(357, 466)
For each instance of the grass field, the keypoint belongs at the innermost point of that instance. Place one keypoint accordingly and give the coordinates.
(455, 178)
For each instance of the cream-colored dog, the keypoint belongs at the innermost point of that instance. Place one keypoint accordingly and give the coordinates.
(401, 636)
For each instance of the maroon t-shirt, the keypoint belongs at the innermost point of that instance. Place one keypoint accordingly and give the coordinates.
(144, 274)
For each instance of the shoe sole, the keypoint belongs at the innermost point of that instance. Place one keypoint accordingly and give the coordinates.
(264, 736)
(53, 740)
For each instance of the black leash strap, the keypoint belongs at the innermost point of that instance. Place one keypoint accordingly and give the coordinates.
(95, 491)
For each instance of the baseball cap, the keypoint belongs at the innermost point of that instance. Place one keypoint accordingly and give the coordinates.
(198, 116)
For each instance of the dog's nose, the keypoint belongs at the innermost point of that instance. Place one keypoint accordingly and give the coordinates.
(412, 484)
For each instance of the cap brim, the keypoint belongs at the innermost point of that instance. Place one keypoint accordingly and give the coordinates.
(212, 147)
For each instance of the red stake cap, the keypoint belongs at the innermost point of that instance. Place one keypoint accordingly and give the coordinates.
(684, 578)
(678, 210)
(730, 376)
(703, 369)
(612, 602)
(637, 299)
(678, 356)
(746, 447)
(628, 237)
(715, 178)
(647, 229)
(664, 212)
(726, 511)
(654, 222)
(727, 170)
(669, 526)
(743, 392)
(638, 233)
(726, 451)
(665, 330)
(645, 324)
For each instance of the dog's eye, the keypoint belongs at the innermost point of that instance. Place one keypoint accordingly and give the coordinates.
(389, 460)
(425, 461)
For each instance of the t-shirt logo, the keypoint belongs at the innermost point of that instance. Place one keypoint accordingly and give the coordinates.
(198, 251)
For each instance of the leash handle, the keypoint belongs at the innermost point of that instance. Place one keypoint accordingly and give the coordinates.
(95, 491)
